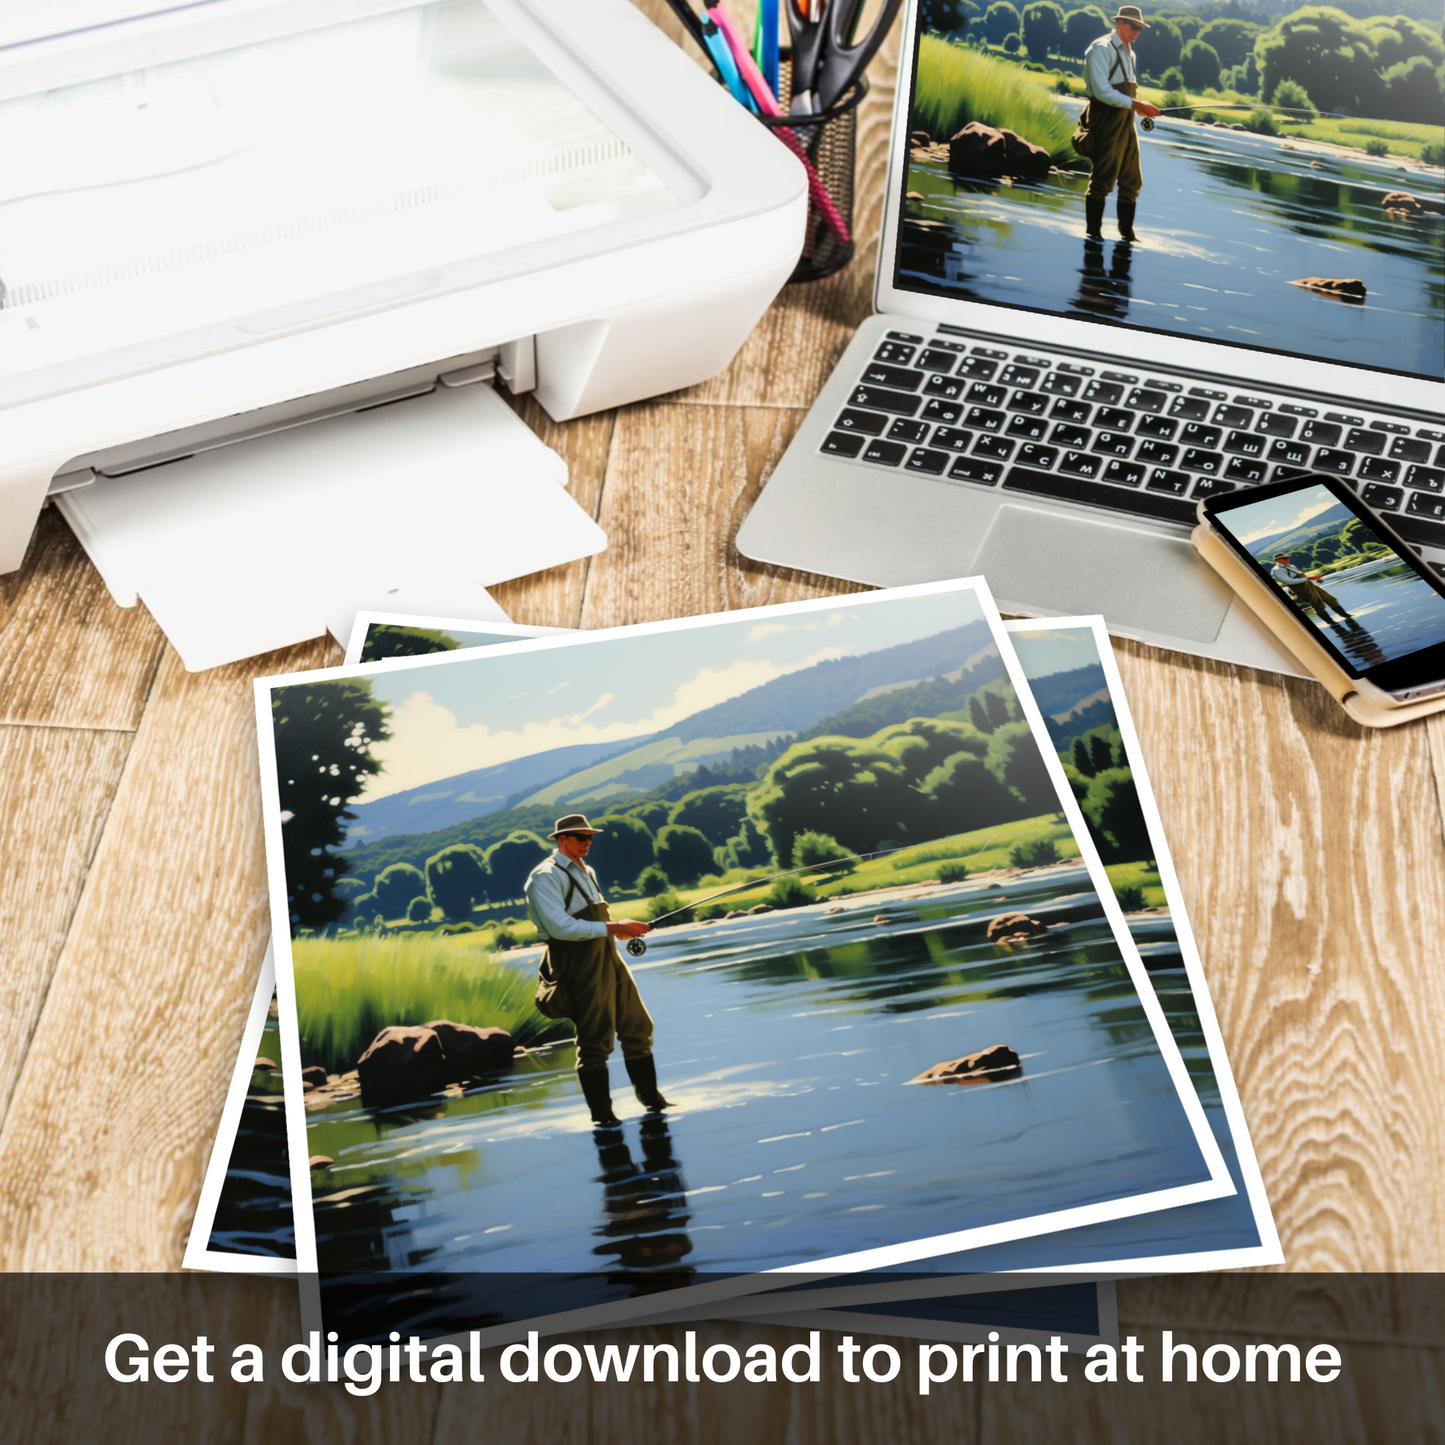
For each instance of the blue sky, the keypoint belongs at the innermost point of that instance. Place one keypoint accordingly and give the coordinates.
(463, 712)
(1054, 649)
(1278, 514)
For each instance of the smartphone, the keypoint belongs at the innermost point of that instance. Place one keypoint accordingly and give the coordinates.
(1355, 588)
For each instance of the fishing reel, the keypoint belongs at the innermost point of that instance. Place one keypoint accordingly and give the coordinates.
(1146, 123)
(636, 947)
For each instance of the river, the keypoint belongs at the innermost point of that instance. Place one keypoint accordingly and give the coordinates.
(1393, 612)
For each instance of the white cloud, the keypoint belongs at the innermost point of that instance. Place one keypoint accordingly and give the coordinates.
(1310, 509)
(772, 629)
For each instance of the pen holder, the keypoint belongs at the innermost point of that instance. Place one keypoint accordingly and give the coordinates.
(826, 142)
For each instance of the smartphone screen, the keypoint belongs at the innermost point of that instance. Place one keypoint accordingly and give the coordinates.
(1370, 601)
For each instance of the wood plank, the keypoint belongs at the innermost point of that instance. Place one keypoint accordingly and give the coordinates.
(679, 483)
(56, 786)
(144, 1014)
(69, 657)
(1290, 826)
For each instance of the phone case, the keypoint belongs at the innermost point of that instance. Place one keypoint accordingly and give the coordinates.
(1297, 637)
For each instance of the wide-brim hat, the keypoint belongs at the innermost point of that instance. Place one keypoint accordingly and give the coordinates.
(1132, 15)
(573, 823)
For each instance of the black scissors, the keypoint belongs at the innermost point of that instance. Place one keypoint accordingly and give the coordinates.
(827, 56)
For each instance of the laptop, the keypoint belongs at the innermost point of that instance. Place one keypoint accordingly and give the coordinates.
(1047, 412)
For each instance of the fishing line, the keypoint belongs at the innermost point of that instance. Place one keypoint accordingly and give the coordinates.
(1147, 122)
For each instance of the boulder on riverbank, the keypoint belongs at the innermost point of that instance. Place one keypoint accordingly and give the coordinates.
(401, 1064)
(1405, 207)
(1010, 928)
(998, 1061)
(313, 1074)
(261, 1066)
(469, 1051)
(985, 150)
(1351, 289)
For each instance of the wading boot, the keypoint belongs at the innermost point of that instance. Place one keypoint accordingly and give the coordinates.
(1126, 221)
(643, 1073)
(1094, 219)
(597, 1092)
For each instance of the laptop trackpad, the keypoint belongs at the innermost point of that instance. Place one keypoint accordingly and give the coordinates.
(1070, 565)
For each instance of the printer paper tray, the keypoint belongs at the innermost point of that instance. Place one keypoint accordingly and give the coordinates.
(416, 506)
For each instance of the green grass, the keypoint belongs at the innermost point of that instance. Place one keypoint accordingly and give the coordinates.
(957, 85)
(1143, 877)
(348, 990)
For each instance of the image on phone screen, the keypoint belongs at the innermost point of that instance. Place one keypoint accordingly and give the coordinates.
(1369, 600)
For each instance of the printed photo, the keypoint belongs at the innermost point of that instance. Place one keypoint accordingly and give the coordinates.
(840, 858)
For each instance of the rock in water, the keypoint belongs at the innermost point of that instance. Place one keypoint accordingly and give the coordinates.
(313, 1074)
(320, 1161)
(1401, 205)
(1012, 927)
(1352, 289)
(401, 1064)
(998, 1061)
(261, 1065)
(469, 1051)
(984, 150)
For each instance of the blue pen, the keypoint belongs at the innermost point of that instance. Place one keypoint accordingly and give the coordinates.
(727, 67)
(768, 50)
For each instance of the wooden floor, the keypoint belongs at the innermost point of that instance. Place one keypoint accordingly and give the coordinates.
(133, 917)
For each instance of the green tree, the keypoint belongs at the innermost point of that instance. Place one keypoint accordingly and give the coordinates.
(349, 889)
(965, 795)
(1188, 26)
(1014, 759)
(1043, 29)
(945, 17)
(1290, 95)
(1200, 64)
(1000, 19)
(1101, 754)
(1325, 51)
(1116, 821)
(1083, 760)
(683, 853)
(1233, 40)
(511, 860)
(1173, 78)
(1011, 44)
(1412, 91)
(747, 848)
(457, 879)
(652, 881)
(419, 910)
(1000, 709)
(324, 734)
(922, 743)
(1160, 47)
(623, 850)
(652, 815)
(1082, 28)
(978, 714)
(817, 849)
(396, 886)
(383, 640)
(715, 811)
(844, 787)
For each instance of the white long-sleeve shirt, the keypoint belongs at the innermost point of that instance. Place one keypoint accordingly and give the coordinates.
(1105, 55)
(546, 891)
(1286, 575)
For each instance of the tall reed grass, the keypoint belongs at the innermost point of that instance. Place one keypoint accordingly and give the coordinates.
(348, 990)
(957, 84)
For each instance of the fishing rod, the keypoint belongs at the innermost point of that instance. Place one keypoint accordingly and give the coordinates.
(636, 947)
(1147, 122)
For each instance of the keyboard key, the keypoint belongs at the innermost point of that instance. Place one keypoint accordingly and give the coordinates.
(1288, 453)
(1163, 480)
(1419, 531)
(1291, 409)
(1036, 456)
(1190, 408)
(877, 374)
(950, 388)
(886, 454)
(995, 447)
(935, 409)
(1081, 464)
(935, 360)
(1332, 459)
(1030, 427)
(1393, 427)
(1253, 401)
(982, 394)
(1162, 427)
(1074, 411)
(895, 353)
(1243, 469)
(1199, 460)
(1015, 375)
(1195, 435)
(977, 368)
(907, 430)
(1113, 418)
(878, 398)
(1245, 443)
(1408, 449)
(980, 418)
(1060, 383)
(1144, 399)
(1275, 425)
(1421, 504)
(1035, 403)
(1233, 416)
(1156, 454)
(1321, 433)
(905, 336)
(1377, 469)
(1208, 393)
(1107, 392)
(1072, 488)
(1070, 436)
(1370, 443)
(970, 469)
(953, 438)
(1123, 474)
(1112, 444)
(991, 351)
(930, 462)
(1440, 457)
(940, 344)
(1212, 486)
(1426, 479)
(843, 444)
(1381, 498)
(867, 422)
(1344, 418)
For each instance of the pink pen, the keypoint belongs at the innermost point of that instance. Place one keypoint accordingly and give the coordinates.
(768, 105)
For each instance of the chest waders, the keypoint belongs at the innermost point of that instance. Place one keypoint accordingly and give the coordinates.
(1114, 150)
(592, 986)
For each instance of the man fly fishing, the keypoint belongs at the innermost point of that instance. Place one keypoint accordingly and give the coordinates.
(1111, 80)
(1305, 589)
(584, 978)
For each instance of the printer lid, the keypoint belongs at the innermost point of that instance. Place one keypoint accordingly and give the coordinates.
(186, 178)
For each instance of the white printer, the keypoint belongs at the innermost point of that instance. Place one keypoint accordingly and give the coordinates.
(234, 232)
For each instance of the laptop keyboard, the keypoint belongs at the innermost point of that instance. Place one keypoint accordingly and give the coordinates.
(1136, 443)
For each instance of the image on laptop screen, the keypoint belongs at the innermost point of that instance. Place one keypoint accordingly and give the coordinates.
(1288, 196)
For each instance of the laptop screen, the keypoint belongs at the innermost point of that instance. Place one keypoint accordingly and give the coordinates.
(1288, 197)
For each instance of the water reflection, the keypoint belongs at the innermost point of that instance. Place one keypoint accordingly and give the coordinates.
(644, 1210)
(1393, 612)
(1104, 294)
